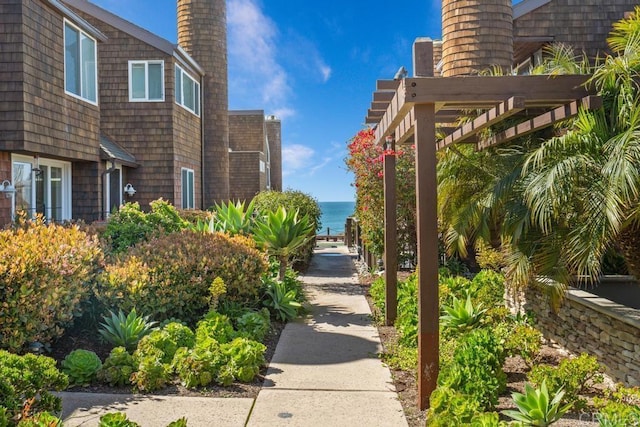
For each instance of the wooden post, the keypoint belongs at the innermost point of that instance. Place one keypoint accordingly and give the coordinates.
(390, 236)
(427, 222)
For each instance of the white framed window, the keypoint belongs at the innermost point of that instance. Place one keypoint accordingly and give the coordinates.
(146, 81)
(42, 186)
(187, 91)
(112, 186)
(80, 64)
(188, 192)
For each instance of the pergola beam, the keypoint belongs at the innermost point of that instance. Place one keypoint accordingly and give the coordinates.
(384, 96)
(542, 121)
(512, 106)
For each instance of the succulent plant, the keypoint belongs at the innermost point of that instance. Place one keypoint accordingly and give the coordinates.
(125, 331)
(81, 366)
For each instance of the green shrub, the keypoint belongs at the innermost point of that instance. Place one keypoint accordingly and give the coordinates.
(158, 343)
(43, 274)
(81, 366)
(26, 383)
(234, 218)
(521, 340)
(572, 375)
(117, 368)
(281, 300)
(488, 288)
(449, 407)
(215, 326)
(151, 373)
(377, 292)
(407, 320)
(130, 225)
(254, 325)
(202, 365)
(180, 334)
(42, 419)
(125, 331)
(245, 356)
(177, 273)
(454, 286)
(270, 201)
(476, 369)
(398, 356)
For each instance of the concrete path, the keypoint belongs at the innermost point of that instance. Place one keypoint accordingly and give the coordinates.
(325, 370)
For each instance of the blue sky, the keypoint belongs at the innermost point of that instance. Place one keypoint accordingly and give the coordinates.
(313, 64)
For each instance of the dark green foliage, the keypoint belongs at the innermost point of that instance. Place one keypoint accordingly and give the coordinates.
(81, 366)
(44, 270)
(281, 300)
(572, 375)
(25, 385)
(171, 275)
(536, 407)
(117, 368)
(125, 331)
(476, 369)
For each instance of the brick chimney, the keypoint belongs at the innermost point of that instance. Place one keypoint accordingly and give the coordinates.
(202, 33)
(476, 34)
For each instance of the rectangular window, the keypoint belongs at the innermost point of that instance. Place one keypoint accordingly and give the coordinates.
(80, 64)
(187, 189)
(146, 81)
(187, 91)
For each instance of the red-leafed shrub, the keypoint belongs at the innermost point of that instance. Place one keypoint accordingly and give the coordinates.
(44, 271)
(171, 276)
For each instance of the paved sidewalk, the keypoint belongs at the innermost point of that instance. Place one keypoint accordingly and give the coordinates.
(325, 370)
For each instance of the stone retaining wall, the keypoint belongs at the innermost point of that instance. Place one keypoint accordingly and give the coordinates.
(598, 326)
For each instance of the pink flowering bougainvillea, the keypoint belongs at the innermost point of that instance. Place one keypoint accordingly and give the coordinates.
(366, 160)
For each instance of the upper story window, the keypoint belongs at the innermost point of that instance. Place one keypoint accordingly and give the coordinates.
(146, 81)
(187, 91)
(80, 64)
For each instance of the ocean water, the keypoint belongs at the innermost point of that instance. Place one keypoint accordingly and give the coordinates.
(334, 215)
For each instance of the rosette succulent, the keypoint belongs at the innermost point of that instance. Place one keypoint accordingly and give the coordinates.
(81, 366)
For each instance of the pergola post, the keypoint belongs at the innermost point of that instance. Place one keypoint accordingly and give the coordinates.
(390, 235)
(427, 222)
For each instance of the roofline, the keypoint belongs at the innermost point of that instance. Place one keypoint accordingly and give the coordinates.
(78, 20)
(246, 112)
(135, 31)
(526, 6)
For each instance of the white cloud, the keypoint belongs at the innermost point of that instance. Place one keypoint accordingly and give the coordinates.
(283, 113)
(325, 70)
(296, 158)
(253, 64)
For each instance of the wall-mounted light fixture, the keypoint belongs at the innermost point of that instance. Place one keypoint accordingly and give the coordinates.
(388, 142)
(129, 190)
(7, 188)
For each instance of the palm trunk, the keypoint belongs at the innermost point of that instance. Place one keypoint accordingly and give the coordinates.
(283, 267)
(629, 242)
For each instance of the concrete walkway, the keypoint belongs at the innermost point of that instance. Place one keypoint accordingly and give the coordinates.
(325, 370)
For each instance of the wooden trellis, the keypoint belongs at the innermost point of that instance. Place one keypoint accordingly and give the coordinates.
(409, 111)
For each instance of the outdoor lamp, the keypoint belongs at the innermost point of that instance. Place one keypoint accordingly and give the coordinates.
(7, 188)
(129, 190)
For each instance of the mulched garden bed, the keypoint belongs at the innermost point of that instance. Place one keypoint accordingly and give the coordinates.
(514, 368)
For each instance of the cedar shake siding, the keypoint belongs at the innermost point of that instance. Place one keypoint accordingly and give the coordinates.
(163, 136)
(248, 154)
(584, 25)
(274, 137)
(37, 115)
(38, 119)
(202, 32)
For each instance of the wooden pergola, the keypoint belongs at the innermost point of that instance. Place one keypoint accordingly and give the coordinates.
(409, 111)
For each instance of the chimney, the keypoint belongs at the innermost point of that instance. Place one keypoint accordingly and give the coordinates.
(274, 135)
(476, 34)
(202, 33)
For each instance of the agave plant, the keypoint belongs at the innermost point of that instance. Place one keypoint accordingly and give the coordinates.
(234, 218)
(535, 408)
(282, 300)
(462, 315)
(125, 331)
(280, 233)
